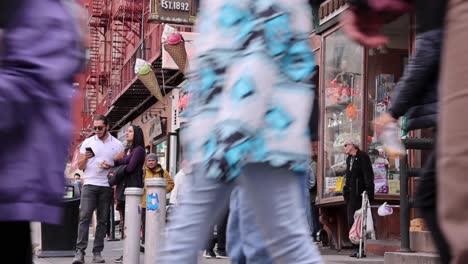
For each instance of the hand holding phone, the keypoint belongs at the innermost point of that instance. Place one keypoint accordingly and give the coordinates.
(89, 152)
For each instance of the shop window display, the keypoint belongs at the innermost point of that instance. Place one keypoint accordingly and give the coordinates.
(161, 151)
(343, 107)
(385, 66)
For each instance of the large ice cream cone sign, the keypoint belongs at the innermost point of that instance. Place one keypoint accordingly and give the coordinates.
(148, 78)
(175, 46)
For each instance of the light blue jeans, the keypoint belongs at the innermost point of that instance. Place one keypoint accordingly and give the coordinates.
(275, 199)
(245, 243)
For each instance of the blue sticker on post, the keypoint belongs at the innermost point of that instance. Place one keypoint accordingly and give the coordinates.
(152, 201)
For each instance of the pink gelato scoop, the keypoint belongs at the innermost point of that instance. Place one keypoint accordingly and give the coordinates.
(174, 39)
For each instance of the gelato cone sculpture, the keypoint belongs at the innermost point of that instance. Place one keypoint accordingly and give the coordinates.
(147, 77)
(175, 46)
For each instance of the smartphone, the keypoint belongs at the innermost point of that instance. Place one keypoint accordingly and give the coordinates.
(90, 150)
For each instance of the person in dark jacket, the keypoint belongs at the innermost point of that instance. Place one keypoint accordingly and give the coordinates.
(416, 97)
(359, 178)
(134, 158)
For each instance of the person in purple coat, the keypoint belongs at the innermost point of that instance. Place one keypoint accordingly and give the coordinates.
(40, 53)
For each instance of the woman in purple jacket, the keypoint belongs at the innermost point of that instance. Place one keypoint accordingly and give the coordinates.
(134, 158)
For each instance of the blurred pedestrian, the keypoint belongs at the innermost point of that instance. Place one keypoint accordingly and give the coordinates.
(134, 158)
(96, 158)
(415, 95)
(251, 98)
(452, 148)
(38, 64)
(245, 242)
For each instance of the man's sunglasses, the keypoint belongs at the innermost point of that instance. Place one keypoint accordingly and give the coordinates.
(98, 128)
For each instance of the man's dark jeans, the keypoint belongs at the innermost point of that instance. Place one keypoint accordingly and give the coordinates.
(220, 238)
(93, 198)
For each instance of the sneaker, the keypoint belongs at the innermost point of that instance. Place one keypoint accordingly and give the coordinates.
(97, 258)
(119, 260)
(209, 254)
(79, 257)
(142, 247)
(221, 254)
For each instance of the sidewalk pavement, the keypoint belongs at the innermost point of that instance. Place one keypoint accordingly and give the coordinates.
(113, 250)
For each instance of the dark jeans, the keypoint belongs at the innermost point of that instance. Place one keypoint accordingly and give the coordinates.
(221, 227)
(315, 220)
(426, 201)
(17, 242)
(93, 198)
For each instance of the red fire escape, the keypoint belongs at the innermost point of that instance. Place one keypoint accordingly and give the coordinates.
(126, 28)
(96, 73)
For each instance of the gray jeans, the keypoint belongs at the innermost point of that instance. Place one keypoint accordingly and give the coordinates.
(275, 199)
(93, 198)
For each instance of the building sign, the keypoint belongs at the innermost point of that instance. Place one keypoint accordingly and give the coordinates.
(155, 129)
(175, 111)
(173, 11)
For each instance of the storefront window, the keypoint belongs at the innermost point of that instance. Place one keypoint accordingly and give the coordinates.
(385, 67)
(161, 151)
(343, 84)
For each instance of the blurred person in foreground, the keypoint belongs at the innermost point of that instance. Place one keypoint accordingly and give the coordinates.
(251, 98)
(38, 63)
(452, 146)
(416, 94)
(245, 242)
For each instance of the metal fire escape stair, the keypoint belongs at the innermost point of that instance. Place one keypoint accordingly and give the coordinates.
(94, 56)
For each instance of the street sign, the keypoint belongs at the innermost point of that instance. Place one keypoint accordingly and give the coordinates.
(173, 11)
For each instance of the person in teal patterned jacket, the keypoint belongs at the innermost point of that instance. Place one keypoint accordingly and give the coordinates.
(250, 101)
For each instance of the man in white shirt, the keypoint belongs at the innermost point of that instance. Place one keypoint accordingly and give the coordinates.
(96, 158)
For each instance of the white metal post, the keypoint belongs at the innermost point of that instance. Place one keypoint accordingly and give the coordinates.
(132, 226)
(155, 217)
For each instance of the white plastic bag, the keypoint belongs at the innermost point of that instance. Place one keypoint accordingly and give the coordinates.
(355, 231)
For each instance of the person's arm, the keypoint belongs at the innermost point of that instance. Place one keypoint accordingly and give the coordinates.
(368, 172)
(422, 68)
(364, 19)
(138, 156)
(170, 182)
(84, 156)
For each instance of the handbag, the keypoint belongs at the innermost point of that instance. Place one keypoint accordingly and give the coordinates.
(116, 175)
